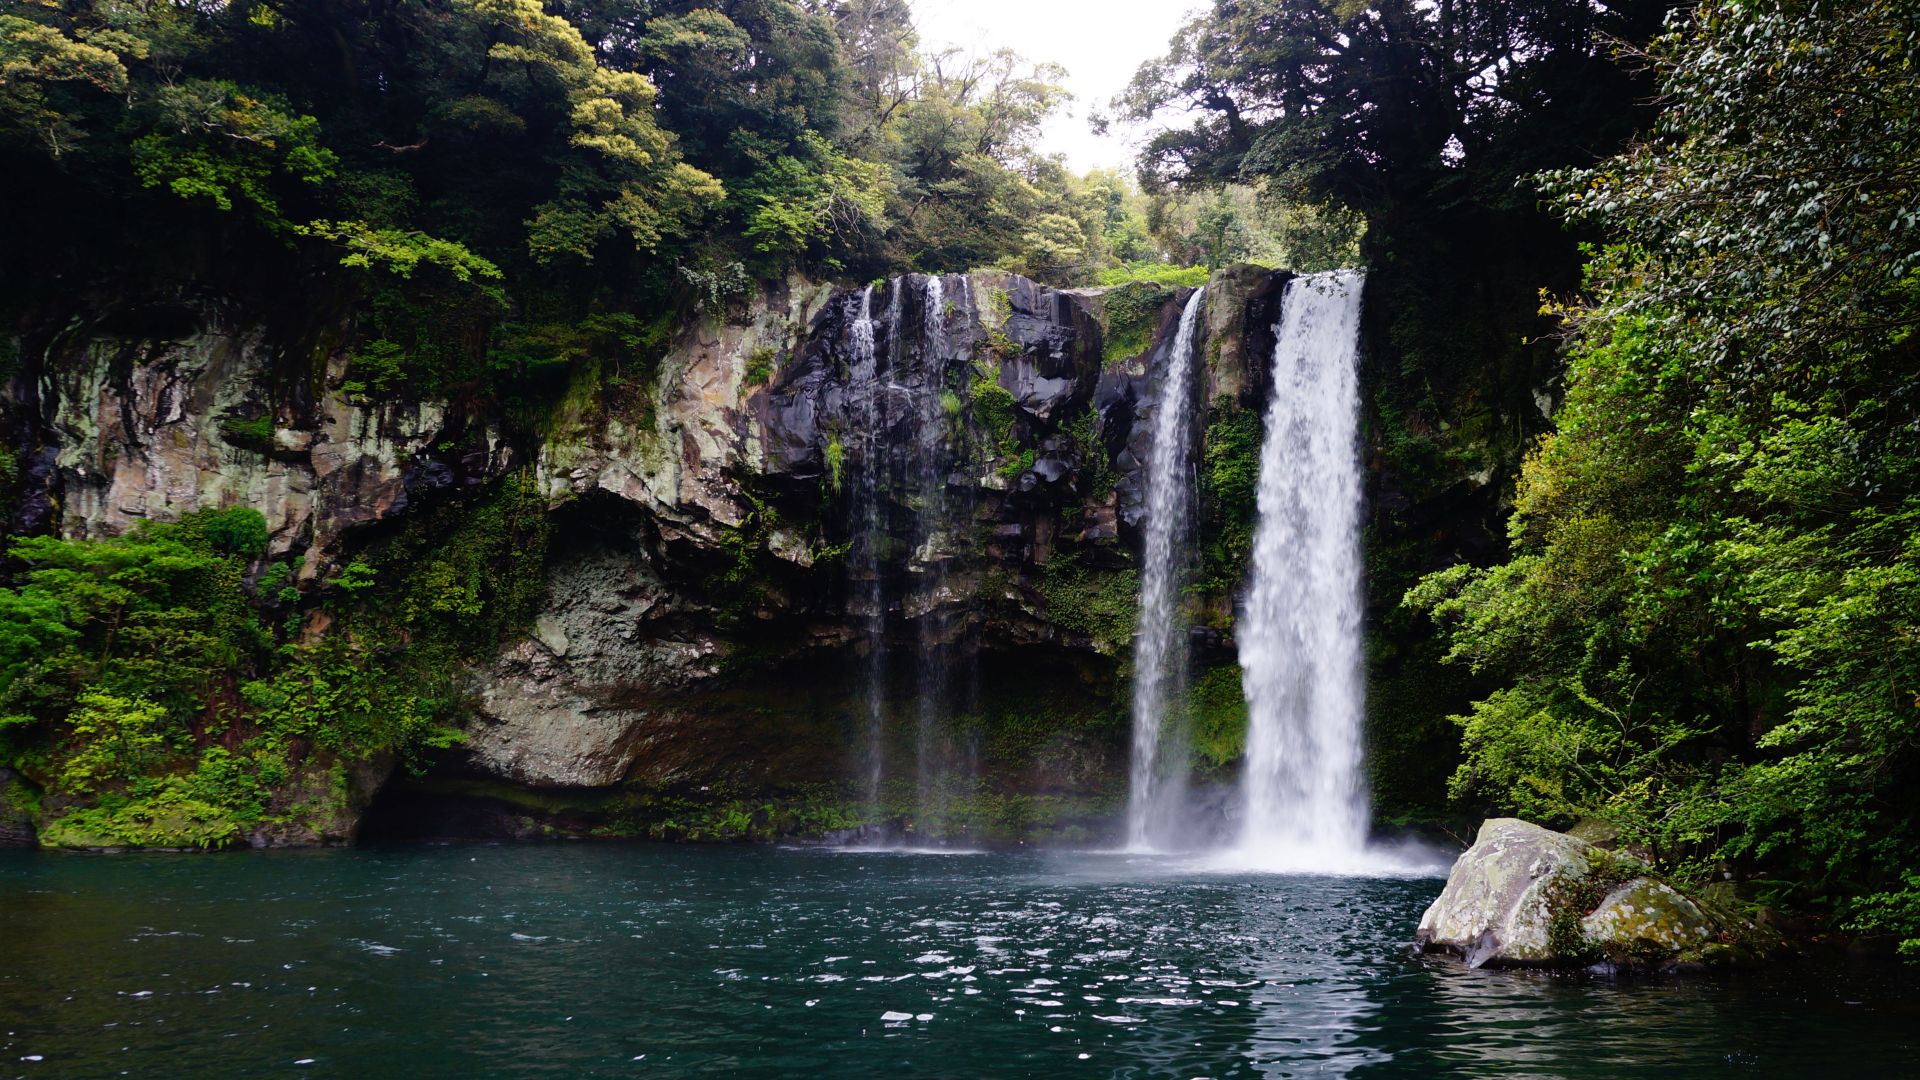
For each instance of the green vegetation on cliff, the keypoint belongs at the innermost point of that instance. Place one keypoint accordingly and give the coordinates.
(1132, 315)
(1229, 493)
(1102, 605)
(150, 696)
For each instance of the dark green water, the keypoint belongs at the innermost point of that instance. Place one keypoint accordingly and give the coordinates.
(618, 960)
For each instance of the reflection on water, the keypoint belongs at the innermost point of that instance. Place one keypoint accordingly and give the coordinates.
(627, 960)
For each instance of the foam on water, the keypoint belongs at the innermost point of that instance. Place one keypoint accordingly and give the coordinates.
(1396, 859)
(888, 849)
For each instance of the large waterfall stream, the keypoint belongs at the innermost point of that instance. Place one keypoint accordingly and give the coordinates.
(1299, 636)
(1302, 803)
(1159, 656)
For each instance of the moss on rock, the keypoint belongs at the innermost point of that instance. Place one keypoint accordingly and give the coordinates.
(1133, 314)
(1102, 605)
(1219, 716)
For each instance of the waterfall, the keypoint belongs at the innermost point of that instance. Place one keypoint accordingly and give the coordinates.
(1299, 636)
(898, 450)
(1159, 644)
(932, 462)
(866, 411)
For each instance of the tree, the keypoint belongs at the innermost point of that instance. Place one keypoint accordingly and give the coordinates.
(1710, 628)
(1776, 204)
(45, 71)
(1426, 120)
(960, 149)
(880, 49)
(1375, 105)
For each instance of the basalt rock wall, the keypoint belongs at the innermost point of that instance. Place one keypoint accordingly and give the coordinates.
(815, 474)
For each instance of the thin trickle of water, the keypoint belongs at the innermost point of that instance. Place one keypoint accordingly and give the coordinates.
(963, 687)
(900, 450)
(936, 323)
(865, 410)
(1299, 637)
(930, 467)
(1159, 653)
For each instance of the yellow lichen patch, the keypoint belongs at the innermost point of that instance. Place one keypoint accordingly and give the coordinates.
(1645, 917)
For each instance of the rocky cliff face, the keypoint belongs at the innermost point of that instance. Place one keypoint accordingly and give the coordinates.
(114, 429)
(846, 538)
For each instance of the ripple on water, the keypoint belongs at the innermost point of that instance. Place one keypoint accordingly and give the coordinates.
(781, 963)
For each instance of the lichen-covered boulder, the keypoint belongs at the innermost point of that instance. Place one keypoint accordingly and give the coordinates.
(1526, 896)
(1651, 920)
(1496, 906)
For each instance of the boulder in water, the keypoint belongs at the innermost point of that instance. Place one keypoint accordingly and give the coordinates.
(1526, 896)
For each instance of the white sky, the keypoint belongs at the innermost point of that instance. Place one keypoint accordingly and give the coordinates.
(1101, 43)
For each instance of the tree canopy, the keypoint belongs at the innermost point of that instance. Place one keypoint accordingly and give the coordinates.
(1707, 629)
(514, 168)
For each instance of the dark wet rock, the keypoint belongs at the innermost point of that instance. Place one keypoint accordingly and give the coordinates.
(1243, 307)
(17, 807)
(1054, 469)
(1056, 358)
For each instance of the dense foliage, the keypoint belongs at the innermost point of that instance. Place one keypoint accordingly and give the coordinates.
(148, 690)
(1709, 631)
(512, 171)
(1422, 119)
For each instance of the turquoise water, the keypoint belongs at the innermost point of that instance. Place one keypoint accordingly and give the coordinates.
(618, 960)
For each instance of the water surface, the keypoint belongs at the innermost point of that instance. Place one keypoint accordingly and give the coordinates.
(621, 960)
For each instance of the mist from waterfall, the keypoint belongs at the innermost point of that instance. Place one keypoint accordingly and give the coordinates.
(1159, 765)
(1299, 635)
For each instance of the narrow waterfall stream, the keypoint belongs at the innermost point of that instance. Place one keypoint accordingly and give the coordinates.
(929, 492)
(1299, 636)
(900, 452)
(866, 411)
(941, 683)
(1159, 644)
